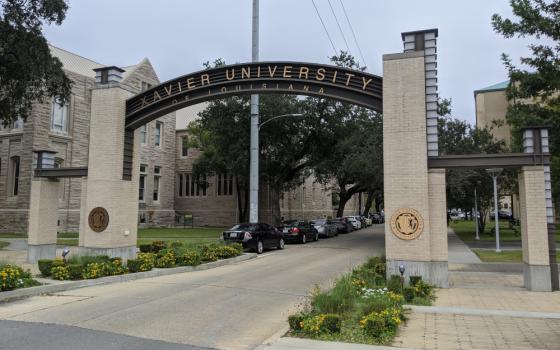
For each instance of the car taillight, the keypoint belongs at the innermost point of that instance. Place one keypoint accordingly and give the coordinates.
(295, 230)
(247, 236)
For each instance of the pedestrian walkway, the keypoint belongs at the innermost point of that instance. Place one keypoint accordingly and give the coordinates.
(459, 252)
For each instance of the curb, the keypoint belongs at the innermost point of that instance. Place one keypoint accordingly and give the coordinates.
(482, 312)
(65, 286)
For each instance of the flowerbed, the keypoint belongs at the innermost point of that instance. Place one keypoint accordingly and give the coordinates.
(158, 254)
(362, 307)
(14, 277)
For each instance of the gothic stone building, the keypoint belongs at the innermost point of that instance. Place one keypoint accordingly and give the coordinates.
(166, 192)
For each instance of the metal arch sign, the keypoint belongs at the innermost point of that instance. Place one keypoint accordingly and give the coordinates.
(343, 84)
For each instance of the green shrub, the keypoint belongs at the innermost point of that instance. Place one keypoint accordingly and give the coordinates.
(145, 248)
(190, 257)
(296, 321)
(45, 266)
(147, 261)
(338, 300)
(11, 277)
(226, 252)
(238, 247)
(75, 271)
(321, 323)
(332, 323)
(133, 265)
(165, 258)
(175, 244)
(408, 294)
(394, 284)
(157, 246)
(414, 280)
(209, 253)
(94, 270)
(382, 325)
(60, 272)
(114, 267)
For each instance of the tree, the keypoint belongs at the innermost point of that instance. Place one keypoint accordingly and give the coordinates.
(459, 137)
(28, 72)
(349, 153)
(534, 91)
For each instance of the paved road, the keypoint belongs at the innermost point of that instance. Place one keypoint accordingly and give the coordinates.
(232, 307)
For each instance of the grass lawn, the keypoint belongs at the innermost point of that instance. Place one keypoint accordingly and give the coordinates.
(505, 256)
(12, 235)
(467, 232)
(3, 244)
(147, 235)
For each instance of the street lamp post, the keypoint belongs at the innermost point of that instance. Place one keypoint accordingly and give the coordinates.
(254, 154)
(494, 173)
(476, 215)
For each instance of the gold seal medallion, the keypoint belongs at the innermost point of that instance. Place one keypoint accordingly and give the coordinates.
(407, 223)
(98, 219)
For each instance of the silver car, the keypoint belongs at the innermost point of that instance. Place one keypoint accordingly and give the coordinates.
(325, 227)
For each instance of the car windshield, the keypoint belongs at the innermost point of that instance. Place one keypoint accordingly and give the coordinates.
(246, 227)
(318, 222)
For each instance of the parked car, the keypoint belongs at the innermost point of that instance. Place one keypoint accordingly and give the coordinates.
(357, 224)
(257, 237)
(343, 225)
(377, 218)
(369, 222)
(299, 231)
(326, 228)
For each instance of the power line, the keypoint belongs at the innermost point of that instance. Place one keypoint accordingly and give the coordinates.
(339, 27)
(353, 34)
(324, 27)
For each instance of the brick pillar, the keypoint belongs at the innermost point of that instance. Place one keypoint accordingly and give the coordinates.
(405, 159)
(438, 225)
(104, 186)
(43, 219)
(534, 231)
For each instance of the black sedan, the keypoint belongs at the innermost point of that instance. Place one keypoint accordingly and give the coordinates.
(299, 231)
(257, 237)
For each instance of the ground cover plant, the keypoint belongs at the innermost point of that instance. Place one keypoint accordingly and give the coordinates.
(361, 307)
(159, 254)
(14, 277)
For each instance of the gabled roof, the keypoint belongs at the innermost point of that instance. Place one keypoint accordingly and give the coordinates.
(75, 63)
(81, 65)
(496, 87)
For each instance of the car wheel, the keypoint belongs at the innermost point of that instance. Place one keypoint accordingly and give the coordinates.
(316, 238)
(303, 239)
(260, 247)
(281, 243)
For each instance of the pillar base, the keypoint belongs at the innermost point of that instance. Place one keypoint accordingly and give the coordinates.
(124, 253)
(537, 278)
(433, 272)
(40, 251)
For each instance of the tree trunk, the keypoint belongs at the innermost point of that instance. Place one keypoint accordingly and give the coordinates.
(344, 197)
(275, 205)
(378, 201)
(369, 202)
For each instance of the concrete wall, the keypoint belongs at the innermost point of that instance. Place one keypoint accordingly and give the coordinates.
(492, 106)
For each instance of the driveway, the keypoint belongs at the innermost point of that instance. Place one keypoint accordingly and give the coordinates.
(232, 307)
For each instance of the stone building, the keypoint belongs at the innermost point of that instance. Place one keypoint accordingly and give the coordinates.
(65, 130)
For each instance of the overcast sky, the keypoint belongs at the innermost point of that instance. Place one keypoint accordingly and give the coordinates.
(178, 35)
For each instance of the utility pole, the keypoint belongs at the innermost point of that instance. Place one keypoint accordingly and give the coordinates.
(254, 155)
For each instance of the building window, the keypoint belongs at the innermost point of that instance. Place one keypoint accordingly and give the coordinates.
(158, 134)
(145, 86)
(142, 218)
(157, 178)
(142, 183)
(184, 146)
(14, 176)
(225, 184)
(180, 179)
(187, 185)
(59, 117)
(144, 134)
